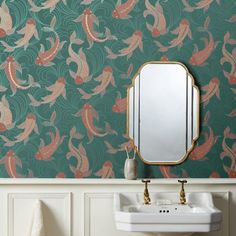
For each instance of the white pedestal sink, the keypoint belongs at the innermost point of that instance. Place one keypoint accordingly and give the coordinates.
(165, 216)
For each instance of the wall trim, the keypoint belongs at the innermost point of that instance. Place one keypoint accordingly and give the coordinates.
(57, 181)
(88, 197)
(14, 196)
(91, 200)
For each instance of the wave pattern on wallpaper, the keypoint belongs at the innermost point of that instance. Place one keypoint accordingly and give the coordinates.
(65, 67)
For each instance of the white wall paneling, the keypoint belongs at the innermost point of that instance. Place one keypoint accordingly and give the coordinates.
(84, 207)
(56, 209)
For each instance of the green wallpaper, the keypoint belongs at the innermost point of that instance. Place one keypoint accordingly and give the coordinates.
(65, 67)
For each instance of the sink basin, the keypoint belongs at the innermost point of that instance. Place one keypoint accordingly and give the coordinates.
(165, 214)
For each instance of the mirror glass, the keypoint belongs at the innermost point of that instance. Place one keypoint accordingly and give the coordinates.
(163, 112)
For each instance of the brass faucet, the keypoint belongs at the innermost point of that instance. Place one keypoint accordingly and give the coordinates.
(182, 192)
(146, 197)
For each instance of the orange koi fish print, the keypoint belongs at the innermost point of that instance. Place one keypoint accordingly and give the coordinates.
(210, 90)
(45, 152)
(88, 19)
(89, 114)
(57, 89)
(45, 57)
(229, 152)
(6, 24)
(105, 79)
(133, 42)
(203, 4)
(28, 126)
(82, 73)
(201, 150)
(81, 170)
(121, 148)
(199, 57)
(120, 105)
(11, 161)
(166, 172)
(28, 31)
(106, 171)
(229, 58)
(65, 67)
(182, 31)
(122, 10)
(11, 67)
(159, 26)
(6, 117)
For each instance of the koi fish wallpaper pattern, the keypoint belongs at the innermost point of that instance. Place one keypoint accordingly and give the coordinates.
(65, 66)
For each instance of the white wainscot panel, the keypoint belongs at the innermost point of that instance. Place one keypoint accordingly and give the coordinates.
(56, 208)
(222, 202)
(99, 216)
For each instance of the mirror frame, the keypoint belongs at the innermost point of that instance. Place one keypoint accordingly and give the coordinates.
(132, 85)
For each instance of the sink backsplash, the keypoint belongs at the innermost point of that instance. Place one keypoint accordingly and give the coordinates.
(64, 74)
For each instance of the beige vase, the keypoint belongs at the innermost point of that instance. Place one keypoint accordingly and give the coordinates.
(131, 169)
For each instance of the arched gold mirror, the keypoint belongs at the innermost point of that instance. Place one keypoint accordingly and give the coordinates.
(163, 112)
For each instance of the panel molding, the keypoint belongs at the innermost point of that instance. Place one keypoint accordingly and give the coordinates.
(224, 196)
(219, 197)
(13, 197)
(88, 197)
(92, 202)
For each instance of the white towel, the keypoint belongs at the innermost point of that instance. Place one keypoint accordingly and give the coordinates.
(36, 227)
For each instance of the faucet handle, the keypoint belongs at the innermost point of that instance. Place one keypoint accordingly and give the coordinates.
(146, 196)
(146, 181)
(182, 192)
(183, 181)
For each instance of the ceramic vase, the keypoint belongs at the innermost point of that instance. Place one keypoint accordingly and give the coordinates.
(131, 169)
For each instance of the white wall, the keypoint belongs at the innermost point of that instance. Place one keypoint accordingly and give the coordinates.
(84, 207)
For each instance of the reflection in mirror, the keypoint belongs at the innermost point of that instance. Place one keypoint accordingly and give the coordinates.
(163, 112)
